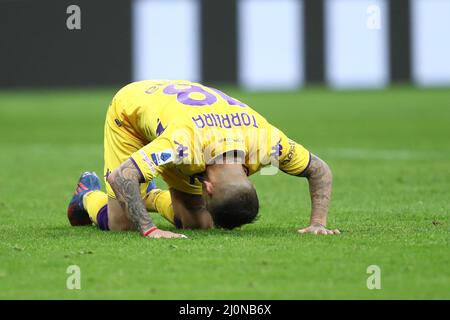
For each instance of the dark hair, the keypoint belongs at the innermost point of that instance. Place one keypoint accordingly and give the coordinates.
(234, 208)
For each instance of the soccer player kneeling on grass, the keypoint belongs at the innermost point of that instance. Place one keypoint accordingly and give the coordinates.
(204, 144)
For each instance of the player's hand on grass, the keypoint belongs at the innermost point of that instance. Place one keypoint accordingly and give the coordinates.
(318, 228)
(158, 233)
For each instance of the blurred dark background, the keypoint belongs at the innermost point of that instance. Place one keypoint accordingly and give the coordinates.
(257, 44)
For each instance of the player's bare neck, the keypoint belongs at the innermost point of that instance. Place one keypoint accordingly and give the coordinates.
(227, 171)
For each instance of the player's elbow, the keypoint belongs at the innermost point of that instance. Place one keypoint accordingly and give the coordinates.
(126, 172)
(115, 176)
(326, 175)
(319, 170)
(112, 177)
(327, 170)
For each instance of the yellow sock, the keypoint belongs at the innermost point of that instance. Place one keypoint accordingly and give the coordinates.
(161, 202)
(93, 202)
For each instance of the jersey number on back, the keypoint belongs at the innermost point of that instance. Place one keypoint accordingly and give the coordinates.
(192, 95)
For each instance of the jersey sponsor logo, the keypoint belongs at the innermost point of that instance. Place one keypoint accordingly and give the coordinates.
(228, 140)
(147, 160)
(163, 157)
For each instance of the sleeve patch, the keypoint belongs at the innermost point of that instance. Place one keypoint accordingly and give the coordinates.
(147, 160)
(163, 157)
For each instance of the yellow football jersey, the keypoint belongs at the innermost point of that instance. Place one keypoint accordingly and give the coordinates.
(176, 128)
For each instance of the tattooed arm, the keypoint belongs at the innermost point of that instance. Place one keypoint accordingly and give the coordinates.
(125, 183)
(320, 180)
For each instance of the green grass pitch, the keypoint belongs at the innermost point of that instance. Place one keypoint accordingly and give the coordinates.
(390, 154)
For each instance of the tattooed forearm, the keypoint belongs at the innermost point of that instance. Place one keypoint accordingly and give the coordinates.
(320, 180)
(125, 183)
